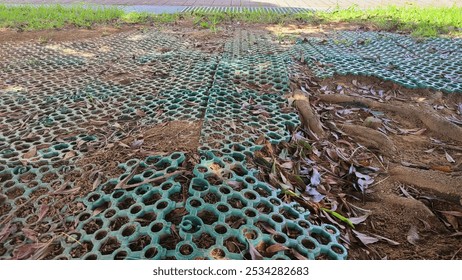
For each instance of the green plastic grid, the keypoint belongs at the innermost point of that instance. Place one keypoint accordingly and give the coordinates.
(433, 63)
(239, 95)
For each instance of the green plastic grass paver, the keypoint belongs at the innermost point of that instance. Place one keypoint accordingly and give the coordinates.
(56, 98)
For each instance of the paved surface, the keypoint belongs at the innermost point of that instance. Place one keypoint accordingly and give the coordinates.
(317, 4)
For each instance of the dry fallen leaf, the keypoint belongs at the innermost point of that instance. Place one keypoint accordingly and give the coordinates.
(137, 143)
(365, 239)
(233, 125)
(276, 248)
(32, 235)
(6, 231)
(43, 211)
(26, 250)
(288, 165)
(140, 113)
(69, 155)
(3, 198)
(452, 220)
(315, 179)
(97, 181)
(253, 252)
(100, 209)
(97, 123)
(451, 217)
(372, 122)
(413, 235)
(358, 220)
(459, 108)
(449, 158)
(123, 145)
(298, 255)
(234, 184)
(31, 153)
(443, 168)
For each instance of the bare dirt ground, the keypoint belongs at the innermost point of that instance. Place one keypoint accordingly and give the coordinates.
(406, 201)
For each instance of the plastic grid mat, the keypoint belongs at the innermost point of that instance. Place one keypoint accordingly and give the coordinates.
(55, 98)
(430, 63)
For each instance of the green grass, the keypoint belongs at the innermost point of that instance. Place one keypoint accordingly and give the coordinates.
(54, 16)
(422, 22)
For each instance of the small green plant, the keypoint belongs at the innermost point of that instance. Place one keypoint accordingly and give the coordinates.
(90, 98)
(32, 62)
(214, 21)
(204, 24)
(43, 40)
(344, 42)
(280, 37)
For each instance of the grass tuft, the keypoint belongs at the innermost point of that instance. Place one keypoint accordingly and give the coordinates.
(422, 22)
(419, 21)
(26, 17)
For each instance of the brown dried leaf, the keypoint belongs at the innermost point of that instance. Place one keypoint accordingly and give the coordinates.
(276, 248)
(452, 220)
(97, 181)
(69, 155)
(137, 143)
(298, 255)
(27, 250)
(43, 211)
(364, 238)
(253, 252)
(31, 153)
(3, 198)
(149, 181)
(97, 123)
(443, 168)
(390, 241)
(451, 217)
(64, 190)
(100, 209)
(267, 228)
(288, 165)
(332, 154)
(233, 125)
(413, 235)
(261, 139)
(123, 145)
(117, 125)
(6, 231)
(453, 213)
(358, 220)
(261, 112)
(234, 184)
(140, 113)
(43, 251)
(406, 194)
(32, 235)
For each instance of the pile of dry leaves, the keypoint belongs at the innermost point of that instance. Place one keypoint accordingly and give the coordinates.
(380, 162)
